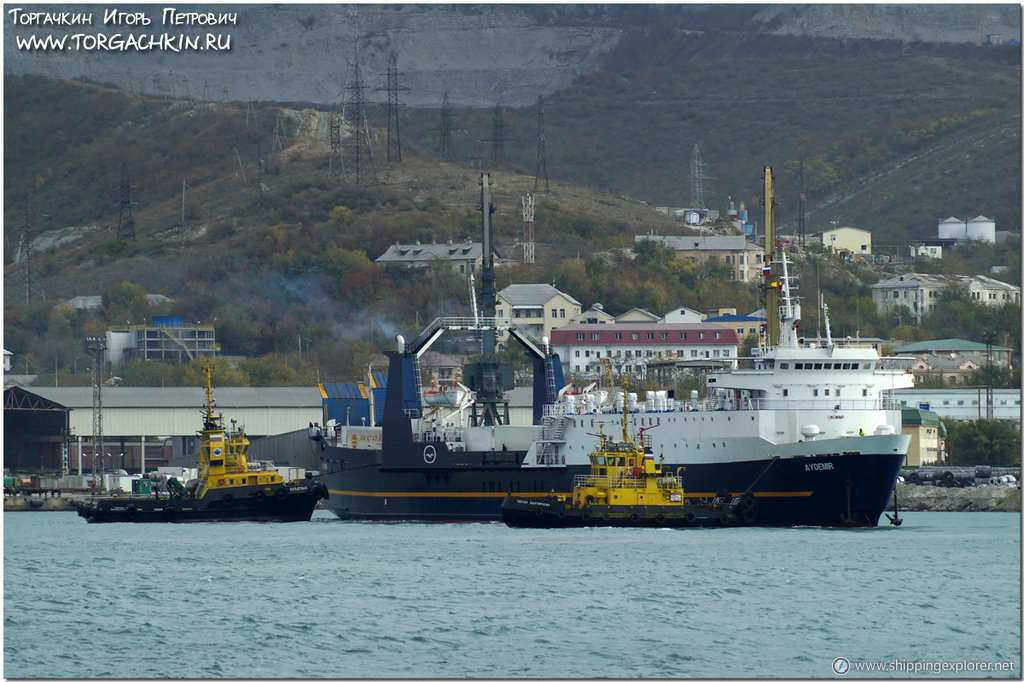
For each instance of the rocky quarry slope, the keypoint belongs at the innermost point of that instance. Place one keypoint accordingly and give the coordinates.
(481, 55)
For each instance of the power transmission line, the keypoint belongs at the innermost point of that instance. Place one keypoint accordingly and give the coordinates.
(542, 161)
(125, 220)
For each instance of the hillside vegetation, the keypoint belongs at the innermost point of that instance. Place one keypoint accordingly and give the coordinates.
(239, 221)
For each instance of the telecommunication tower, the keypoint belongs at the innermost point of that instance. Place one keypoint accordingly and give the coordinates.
(125, 221)
(542, 159)
(697, 179)
(24, 255)
(528, 254)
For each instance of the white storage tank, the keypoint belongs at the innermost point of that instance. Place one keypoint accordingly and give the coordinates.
(952, 228)
(982, 229)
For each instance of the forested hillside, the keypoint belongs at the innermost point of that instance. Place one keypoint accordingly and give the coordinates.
(242, 221)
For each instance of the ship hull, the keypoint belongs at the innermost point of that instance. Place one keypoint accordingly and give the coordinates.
(289, 503)
(825, 490)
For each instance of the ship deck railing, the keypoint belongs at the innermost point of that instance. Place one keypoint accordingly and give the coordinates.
(622, 481)
(747, 404)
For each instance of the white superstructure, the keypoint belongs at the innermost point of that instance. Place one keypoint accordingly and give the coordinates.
(793, 399)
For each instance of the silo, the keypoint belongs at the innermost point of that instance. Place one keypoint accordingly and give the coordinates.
(982, 229)
(952, 228)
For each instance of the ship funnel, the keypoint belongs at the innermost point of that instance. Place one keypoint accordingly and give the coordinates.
(400, 340)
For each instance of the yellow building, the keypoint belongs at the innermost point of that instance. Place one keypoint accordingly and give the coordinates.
(851, 240)
(537, 308)
(927, 436)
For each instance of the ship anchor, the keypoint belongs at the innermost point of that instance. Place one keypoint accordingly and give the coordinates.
(847, 518)
(894, 518)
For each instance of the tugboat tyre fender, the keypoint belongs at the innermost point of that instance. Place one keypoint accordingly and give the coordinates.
(130, 513)
(227, 500)
(634, 517)
(259, 495)
(690, 517)
(584, 516)
(659, 519)
(749, 515)
(280, 494)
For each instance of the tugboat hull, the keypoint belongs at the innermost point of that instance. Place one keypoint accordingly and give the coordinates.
(552, 512)
(287, 503)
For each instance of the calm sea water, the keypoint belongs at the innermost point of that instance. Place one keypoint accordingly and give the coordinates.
(355, 599)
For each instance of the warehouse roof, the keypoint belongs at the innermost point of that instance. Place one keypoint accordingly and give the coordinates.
(80, 397)
(945, 346)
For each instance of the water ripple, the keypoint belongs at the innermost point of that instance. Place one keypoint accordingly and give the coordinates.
(337, 599)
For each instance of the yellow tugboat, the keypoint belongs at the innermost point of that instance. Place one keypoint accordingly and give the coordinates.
(625, 487)
(225, 490)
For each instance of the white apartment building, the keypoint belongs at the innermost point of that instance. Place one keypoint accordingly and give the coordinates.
(920, 292)
(742, 257)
